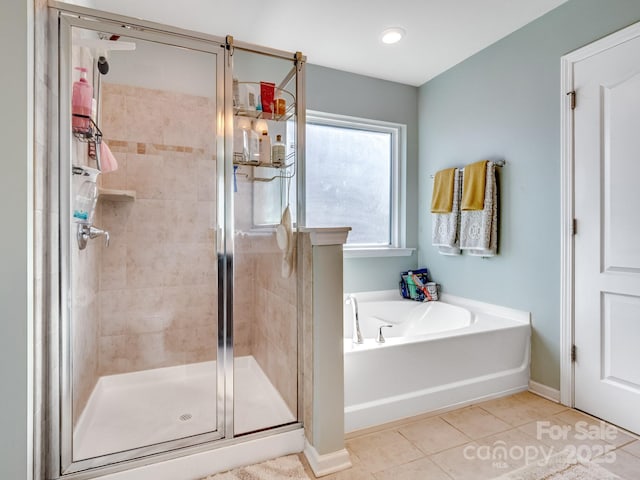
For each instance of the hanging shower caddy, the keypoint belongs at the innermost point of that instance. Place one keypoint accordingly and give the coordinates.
(288, 169)
(91, 134)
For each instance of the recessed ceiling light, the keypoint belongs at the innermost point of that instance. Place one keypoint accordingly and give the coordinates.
(392, 35)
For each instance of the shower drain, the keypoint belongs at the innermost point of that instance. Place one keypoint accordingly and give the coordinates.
(185, 416)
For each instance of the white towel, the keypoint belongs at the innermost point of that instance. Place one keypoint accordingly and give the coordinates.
(479, 228)
(444, 231)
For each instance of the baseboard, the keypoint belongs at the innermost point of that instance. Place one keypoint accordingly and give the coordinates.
(328, 463)
(544, 391)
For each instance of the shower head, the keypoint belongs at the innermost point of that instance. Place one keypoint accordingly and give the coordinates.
(103, 65)
(101, 47)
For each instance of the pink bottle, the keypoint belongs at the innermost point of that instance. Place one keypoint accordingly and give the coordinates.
(81, 102)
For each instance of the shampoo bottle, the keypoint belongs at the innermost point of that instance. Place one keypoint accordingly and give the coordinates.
(254, 147)
(278, 152)
(241, 151)
(280, 106)
(81, 102)
(265, 147)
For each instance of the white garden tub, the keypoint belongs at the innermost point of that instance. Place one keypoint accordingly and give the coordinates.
(437, 355)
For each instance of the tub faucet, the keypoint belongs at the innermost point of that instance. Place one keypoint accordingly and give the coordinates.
(380, 337)
(357, 336)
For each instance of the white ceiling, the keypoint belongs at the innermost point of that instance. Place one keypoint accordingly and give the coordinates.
(344, 34)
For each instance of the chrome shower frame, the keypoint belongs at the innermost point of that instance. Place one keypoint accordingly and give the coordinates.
(60, 463)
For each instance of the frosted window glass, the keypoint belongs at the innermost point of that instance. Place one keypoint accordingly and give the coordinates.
(348, 181)
(270, 198)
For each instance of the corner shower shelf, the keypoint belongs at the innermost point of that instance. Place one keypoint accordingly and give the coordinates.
(262, 164)
(283, 170)
(115, 195)
(259, 114)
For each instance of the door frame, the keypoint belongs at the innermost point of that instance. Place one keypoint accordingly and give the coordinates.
(567, 172)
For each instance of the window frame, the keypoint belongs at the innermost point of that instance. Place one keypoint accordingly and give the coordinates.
(398, 132)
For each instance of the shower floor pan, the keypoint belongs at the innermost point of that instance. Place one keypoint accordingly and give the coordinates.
(137, 409)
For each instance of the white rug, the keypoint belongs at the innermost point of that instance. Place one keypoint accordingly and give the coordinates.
(288, 467)
(560, 467)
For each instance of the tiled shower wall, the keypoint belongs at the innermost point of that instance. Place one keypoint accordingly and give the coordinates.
(158, 277)
(275, 334)
(265, 303)
(244, 300)
(84, 281)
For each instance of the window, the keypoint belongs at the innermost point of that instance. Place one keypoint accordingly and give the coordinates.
(270, 198)
(353, 177)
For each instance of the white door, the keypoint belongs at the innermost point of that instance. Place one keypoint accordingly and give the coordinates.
(607, 241)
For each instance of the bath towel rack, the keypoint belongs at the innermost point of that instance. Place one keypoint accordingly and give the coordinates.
(497, 163)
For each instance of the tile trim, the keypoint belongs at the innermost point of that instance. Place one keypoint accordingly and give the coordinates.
(327, 235)
(143, 148)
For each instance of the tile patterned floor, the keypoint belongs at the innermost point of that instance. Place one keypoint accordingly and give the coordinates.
(466, 444)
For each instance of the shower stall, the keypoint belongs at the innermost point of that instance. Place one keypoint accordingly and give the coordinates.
(177, 307)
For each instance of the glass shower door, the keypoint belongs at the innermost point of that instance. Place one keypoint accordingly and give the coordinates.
(265, 320)
(140, 328)
(178, 300)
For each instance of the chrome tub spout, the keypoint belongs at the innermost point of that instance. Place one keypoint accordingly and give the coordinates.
(357, 336)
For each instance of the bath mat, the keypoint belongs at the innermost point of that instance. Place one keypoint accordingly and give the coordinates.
(288, 467)
(560, 467)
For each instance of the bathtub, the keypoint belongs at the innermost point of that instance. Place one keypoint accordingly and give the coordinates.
(436, 356)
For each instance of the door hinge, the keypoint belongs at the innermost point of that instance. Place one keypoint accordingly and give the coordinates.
(228, 42)
(573, 99)
(574, 226)
(573, 353)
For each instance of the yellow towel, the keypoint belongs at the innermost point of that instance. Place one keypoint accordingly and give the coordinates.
(473, 186)
(442, 198)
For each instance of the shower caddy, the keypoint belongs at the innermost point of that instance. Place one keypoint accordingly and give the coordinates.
(287, 170)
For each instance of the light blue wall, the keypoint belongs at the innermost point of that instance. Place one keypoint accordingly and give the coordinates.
(16, 97)
(505, 102)
(338, 92)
